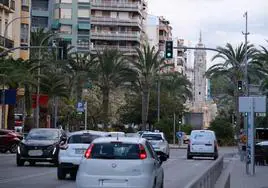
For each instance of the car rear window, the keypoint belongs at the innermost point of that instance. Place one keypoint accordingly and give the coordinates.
(202, 135)
(152, 136)
(82, 138)
(115, 151)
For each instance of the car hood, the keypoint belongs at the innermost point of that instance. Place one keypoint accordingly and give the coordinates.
(39, 142)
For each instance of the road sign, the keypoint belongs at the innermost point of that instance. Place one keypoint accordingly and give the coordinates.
(80, 107)
(179, 134)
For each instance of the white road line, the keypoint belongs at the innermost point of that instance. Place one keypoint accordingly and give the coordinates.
(25, 177)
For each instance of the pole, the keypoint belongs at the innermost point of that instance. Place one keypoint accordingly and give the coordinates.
(174, 128)
(250, 141)
(246, 85)
(158, 100)
(5, 31)
(86, 115)
(3, 104)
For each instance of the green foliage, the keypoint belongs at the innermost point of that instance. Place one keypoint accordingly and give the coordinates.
(165, 126)
(187, 129)
(224, 130)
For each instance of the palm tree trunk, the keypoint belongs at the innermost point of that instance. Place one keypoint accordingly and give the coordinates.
(28, 98)
(105, 105)
(145, 107)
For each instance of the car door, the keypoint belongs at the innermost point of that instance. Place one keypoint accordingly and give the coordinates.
(158, 171)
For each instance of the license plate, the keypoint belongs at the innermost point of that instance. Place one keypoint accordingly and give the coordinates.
(35, 153)
(79, 151)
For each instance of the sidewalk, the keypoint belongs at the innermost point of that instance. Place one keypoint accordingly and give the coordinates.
(239, 178)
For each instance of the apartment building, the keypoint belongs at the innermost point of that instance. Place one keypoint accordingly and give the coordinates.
(69, 18)
(152, 31)
(118, 24)
(7, 10)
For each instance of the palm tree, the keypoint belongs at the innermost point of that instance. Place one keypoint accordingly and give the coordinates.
(232, 68)
(147, 67)
(112, 70)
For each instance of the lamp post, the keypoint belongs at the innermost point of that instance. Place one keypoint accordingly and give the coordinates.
(38, 80)
(5, 31)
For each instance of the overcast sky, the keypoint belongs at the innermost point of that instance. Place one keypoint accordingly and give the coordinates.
(220, 21)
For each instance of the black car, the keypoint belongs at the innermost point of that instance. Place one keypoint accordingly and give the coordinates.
(40, 145)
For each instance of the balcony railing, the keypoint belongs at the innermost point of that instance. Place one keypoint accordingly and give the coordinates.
(115, 5)
(121, 48)
(131, 36)
(8, 43)
(116, 21)
(8, 3)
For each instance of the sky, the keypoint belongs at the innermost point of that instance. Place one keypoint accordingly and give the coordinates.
(220, 21)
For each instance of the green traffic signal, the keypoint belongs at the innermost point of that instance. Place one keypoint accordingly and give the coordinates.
(169, 50)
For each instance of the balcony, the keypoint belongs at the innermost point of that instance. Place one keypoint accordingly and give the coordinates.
(9, 43)
(8, 5)
(115, 36)
(124, 49)
(163, 38)
(116, 6)
(116, 21)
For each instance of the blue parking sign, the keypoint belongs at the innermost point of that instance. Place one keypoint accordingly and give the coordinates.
(80, 107)
(179, 134)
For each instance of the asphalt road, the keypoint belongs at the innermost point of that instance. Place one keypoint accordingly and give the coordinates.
(178, 172)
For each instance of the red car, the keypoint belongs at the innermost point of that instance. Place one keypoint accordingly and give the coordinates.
(9, 141)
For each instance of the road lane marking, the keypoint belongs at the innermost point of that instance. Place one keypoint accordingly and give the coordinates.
(25, 177)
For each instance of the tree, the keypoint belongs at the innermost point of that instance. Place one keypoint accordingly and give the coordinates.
(112, 71)
(147, 67)
(232, 68)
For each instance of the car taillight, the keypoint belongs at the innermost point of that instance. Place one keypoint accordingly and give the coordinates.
(143, 154)
(64, 146)
(88, 151)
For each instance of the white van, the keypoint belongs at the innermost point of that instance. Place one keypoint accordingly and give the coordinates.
(202, 143)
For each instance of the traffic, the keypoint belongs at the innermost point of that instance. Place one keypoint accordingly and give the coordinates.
(106, 159)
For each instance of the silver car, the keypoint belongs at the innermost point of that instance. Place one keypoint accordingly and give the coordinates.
(120, 162)
(158, 141)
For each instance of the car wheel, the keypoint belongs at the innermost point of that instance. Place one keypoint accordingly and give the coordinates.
(73, 175)
(61, 173)
(32, 163)
(189, 156)
(3, 150)
(13, 148)
(19, 161)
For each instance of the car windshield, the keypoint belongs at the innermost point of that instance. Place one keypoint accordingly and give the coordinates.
(43, 134)
(202, 135)
(152, 136)
(115, 151)
(82, 138)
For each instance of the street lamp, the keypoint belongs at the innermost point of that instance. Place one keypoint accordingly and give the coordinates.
(5, 32)
(38, 79)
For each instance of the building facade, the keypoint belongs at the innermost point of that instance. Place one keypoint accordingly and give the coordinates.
(118, 24)
(152, 31)
(69, 18)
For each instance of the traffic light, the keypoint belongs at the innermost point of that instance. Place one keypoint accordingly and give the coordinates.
(240, 85)
(169, 50)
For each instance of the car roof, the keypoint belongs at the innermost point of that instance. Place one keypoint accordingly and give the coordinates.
(90, 132)
(134, 140)
(203, 131)
(152, 133)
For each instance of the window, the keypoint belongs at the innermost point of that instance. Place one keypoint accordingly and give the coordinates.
(151, 150)
(39, 21)
(84, 1)
(40, 5)
(66, 1)
(152, 136)
(25, 2)
(115, 151)
(84, 13)
(65, 14)
(82, 138)
(57, 13)
(67, 29)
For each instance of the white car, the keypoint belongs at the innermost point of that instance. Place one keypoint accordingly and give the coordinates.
(202, 143)
(158, 141)
(72, 151)
(114, 162)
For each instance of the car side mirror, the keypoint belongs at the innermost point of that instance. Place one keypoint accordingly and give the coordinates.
(162, 158)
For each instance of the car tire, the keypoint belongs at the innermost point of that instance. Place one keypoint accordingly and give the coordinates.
(13, 148)
(215, 156)
(32, 163)
(3, 150)
(61, 173)
(19, 161)
(189, 156)
(73, 175)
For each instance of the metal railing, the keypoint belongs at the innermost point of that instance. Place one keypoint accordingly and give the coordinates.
(115, 4)
(8, 43)
(209, 177)
(116, 35)
(130, 49)
(116, 21)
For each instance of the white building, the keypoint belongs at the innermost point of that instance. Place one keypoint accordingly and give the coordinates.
(152, 30)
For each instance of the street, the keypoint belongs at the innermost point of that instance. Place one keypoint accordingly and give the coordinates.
(178, 172)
